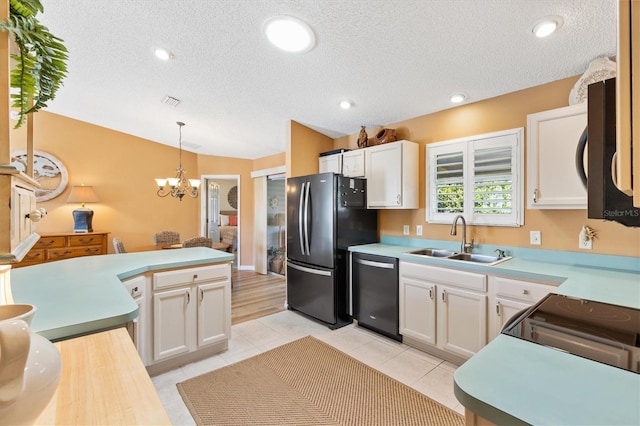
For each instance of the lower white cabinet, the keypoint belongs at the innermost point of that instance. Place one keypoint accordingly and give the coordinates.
(444, 308)
(509, 296)
(138, 328)
(191, 310)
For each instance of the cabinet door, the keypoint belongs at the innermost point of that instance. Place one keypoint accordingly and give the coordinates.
(330, 163)
(213, 313)
(462, 321)
(418, 310)
(173, 322)
(384, 176)
(552, 180)
(353, 163)
(501, 312)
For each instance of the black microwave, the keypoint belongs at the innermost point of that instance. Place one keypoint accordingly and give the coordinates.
(604, 199)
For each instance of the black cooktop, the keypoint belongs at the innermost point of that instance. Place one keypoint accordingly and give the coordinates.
(602, 332)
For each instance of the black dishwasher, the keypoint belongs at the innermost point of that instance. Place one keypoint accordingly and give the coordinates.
(374, 284)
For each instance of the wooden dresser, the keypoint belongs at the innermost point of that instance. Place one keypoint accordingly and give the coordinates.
(65, 245)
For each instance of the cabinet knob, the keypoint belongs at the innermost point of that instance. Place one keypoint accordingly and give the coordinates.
(535, 195)
(498, 308)
(525, 291)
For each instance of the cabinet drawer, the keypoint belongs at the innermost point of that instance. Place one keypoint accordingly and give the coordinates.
(85, 240)
(50, 242)
(461, 279)
(190, 276)
(522, 290)
(67, 253)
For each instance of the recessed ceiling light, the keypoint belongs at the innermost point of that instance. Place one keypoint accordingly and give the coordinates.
(547, 26)
(289, 34)
(163, 54)
(456, 98)
(346, 104)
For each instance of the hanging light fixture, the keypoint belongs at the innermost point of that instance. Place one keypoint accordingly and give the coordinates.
(178, 186)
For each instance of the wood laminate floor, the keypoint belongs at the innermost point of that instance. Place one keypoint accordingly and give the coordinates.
(255, 295)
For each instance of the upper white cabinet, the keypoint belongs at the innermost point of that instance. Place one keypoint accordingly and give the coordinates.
(552, 138)
(392, 175)
(330, 163)
(353, 163)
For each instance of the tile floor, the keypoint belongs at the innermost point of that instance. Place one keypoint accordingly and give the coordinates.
(425, 373)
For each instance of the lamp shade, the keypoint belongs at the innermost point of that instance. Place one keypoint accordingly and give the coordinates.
(82, 194)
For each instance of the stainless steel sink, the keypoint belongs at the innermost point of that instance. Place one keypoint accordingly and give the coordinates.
(433, 252)
(479, 258)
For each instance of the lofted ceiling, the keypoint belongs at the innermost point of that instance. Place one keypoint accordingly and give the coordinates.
(394, 59)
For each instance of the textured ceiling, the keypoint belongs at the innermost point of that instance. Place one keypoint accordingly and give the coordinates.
(395, 59)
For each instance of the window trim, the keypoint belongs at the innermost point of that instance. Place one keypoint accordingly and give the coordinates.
(468, 145)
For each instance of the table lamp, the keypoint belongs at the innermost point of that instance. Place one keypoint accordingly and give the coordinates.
(83, 216)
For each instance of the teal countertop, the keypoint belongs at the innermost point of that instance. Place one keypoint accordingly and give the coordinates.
(85, 294)
(512, 381)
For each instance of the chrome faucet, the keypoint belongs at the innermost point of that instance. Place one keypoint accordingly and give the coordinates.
(465, 247)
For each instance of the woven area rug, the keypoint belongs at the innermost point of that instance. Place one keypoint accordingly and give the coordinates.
(307, 382)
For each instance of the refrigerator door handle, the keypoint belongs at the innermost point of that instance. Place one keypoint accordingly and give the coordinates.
(309, 270)
(300, 212)
(374, 264)
(306, 218)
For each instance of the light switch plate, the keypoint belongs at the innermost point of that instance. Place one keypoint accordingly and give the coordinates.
(405, 230)
(535, 239)
(584, 244)
(418, 229)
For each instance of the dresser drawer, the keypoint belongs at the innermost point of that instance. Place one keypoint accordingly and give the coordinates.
(50, 242)
(85, 240)
(34, 257)
(67, 253)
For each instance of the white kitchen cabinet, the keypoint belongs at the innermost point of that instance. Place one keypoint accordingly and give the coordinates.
(391, 170)
(192, 310)
(509, 296)
(417, 309)
(18, 226)
(137, 288)
(353, 163)
(330, 163)
(552, 139)
(443, 308)
(462, 320)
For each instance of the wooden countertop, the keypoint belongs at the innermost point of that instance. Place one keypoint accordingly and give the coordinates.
(104, 382)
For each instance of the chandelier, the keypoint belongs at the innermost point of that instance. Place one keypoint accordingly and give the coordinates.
(178, 186)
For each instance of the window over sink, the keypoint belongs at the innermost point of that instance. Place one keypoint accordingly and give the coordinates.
(479, 177)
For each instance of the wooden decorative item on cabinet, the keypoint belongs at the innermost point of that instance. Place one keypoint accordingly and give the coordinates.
(65, 245)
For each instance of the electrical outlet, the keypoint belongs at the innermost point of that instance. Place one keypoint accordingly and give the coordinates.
(584, 244)
(535, 238)
(418, 229)
(405, 229)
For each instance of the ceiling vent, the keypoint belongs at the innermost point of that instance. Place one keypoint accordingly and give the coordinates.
(171, 101)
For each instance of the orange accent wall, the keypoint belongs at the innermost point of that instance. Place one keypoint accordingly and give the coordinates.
(305, 145)
(269, 162)
(559, 228)
(121, 169)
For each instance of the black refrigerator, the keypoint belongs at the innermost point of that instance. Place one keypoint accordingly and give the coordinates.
(326, 213)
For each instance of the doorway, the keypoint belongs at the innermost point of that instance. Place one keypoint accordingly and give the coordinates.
(276, 224)
(220, 216)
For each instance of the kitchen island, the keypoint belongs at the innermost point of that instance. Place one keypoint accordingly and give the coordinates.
(83, 295)
(512, 381)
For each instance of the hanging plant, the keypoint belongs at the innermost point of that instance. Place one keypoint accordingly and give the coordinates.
(41, 61)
